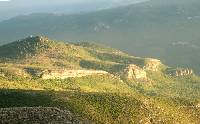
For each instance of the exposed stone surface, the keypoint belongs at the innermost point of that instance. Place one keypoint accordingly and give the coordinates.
(152, 64)
(64, 73)
(184, 72)
(135, 72)
(36, 115)
(181, 72)
(198, 105)
(13, 71)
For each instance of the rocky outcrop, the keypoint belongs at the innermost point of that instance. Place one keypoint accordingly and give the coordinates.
(179, 72)
(152, 64)
(182, 72)
(135, 72)
(64, 73)
(12, 71)
(36, 115)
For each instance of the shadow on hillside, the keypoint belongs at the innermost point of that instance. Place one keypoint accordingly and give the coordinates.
(25, 98)
(30, 98)
(112, 107)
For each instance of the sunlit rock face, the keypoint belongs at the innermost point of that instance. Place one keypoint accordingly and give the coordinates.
(152, 64)
(64, 73)
(135, 72)
(183, 72)
(180, 72)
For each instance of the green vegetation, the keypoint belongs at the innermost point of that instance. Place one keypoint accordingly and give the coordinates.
(165, 30)
(102, 99)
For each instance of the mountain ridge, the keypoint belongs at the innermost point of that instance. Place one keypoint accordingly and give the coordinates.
(42, 52)
(128, 90)
(165, 30)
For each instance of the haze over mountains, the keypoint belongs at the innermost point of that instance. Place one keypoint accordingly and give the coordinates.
(11, 8)
(168, 30)
(135, 64)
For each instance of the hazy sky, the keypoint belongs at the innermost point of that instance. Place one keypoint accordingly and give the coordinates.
(10, 8)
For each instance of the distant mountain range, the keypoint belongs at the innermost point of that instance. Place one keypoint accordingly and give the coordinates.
(168, 30)
(13, 8)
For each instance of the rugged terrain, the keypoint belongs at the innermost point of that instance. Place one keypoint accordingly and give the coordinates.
(36, 115)
(166, 30)
(92, 83)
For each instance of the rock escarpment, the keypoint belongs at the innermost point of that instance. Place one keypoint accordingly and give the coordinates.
(182, 72)
(135, 72)
(64, 73)
(152, 64)
(36, 115)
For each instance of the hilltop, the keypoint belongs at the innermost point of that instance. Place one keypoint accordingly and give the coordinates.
(165, 30)
(42, 52)
(93, 83)
(43, 57)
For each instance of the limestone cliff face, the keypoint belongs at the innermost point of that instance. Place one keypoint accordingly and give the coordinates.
(152, 64)
(64, 73)
(182, 72)
(135, 72)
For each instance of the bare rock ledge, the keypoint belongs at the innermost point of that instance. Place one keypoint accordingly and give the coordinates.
(64, 73)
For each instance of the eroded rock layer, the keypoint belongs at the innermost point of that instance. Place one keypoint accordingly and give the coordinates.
(63, 74)
(135, 72)
(152, 65)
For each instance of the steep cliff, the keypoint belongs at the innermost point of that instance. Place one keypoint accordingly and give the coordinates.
(63, 73)
(152, 64)
(180, 72)
(135, 72)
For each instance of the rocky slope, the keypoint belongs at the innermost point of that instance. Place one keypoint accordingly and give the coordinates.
(44, 58)
(37, 115)
(41, 57)
(165, 30)
(63, 74)
(96, 84)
